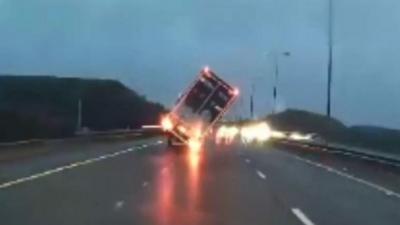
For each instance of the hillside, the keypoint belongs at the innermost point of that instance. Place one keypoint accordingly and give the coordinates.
(333, 130)
(46, 106)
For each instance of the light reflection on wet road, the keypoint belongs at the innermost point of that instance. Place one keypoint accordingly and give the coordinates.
(177, 188)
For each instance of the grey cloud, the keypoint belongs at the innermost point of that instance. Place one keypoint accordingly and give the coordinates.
(157, 46)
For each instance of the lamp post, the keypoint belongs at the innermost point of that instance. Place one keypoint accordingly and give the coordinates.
(330, 52)
(252, 102)
(276, 73)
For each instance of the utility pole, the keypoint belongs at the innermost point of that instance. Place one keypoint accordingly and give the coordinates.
(330, 33)
(79, 117)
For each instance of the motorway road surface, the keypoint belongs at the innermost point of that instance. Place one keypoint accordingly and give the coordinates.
(144, 182)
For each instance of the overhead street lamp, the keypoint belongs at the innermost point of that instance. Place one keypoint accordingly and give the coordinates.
(330, 53)
(252, 101)
(276, 72)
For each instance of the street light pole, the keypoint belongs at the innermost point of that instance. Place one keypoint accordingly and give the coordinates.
(329, 84)
(252, 102)
(275, 88)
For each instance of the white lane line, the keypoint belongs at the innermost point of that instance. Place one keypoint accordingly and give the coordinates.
(62, 168)
(301, 216)
(247, 161)
(145, 184)
(261, 175)
(351, 177)
(160, 142)
(118, 205)
(144, 146)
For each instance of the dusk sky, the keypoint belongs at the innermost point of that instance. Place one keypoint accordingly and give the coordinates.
(156, 47)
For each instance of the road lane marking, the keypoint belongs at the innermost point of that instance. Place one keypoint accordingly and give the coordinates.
(118, 205)
(62, 168)
(351, 177)
(261, 175)
(247, 161)
(145, 184)
(144, 146)
(301, 216)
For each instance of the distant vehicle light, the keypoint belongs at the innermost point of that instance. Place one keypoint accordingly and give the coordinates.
(278, 135)
(166, 123)
(299, 137)
(226, 134)
(260, 132)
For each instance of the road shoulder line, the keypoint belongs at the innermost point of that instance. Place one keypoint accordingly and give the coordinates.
(350, 177)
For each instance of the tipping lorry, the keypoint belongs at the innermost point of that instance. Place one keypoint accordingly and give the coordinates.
(204, 102)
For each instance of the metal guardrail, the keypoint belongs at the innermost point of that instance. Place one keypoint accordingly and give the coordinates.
(92, 134)
(372, 155)
(22, 142)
